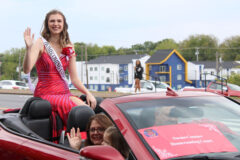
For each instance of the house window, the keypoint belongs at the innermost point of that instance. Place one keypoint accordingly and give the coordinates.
(179, 67)
(150, 67)
(95, 69)
(91, 68)
(121, 80)
(162, 68)
(102, 68)
(212, 72)
(91, 87)
(120, 69)
(103, 87)
(95, 78)
(107, 79)
(179, 77)
(108, 70)
(96, 87)
(163, 78)
(102, 78)
(125, 68)
(91, 78)
(125, 78)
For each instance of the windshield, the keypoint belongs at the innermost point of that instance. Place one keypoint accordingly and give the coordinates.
(177, 127)
(160, 85)
(234, 87)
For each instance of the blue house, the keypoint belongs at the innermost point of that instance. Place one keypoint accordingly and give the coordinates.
(168, 66)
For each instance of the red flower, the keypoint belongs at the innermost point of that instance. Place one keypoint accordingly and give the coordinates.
(68, 51)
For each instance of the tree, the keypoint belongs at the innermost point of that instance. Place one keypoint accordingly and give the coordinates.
(207, 45)
(165, 44)
(234, 79)
(231, 48)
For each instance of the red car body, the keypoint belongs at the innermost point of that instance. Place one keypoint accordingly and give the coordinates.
(217, 87)
(17, 146)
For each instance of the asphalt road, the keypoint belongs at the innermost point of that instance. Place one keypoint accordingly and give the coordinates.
(12, 100)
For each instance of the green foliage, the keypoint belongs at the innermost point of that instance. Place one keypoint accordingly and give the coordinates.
(234, 79)
(10, 62)
(93, 51)
(230, 48)
(207, 47)
(165, 44)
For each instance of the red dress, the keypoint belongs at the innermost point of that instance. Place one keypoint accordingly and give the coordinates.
(51, 87)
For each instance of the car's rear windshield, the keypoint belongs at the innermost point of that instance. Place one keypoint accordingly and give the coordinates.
(186, 126)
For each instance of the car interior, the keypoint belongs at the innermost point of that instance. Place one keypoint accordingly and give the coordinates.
(33, 120)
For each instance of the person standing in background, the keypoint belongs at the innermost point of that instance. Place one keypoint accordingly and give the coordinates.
(138, 69)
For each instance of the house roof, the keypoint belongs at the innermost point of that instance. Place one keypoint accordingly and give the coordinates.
(159, 55)
(116, 59)
(212, 64)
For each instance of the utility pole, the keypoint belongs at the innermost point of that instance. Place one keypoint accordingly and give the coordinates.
(19, 67)
(82, 63)
(197, 53)
(86, 65)
(217, 64)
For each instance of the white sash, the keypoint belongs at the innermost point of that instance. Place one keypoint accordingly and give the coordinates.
(53, 55)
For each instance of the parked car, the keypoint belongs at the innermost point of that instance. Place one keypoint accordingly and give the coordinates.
(12, 84)
(146, 86)
(220, 88)
(164, 125)
(72, 87)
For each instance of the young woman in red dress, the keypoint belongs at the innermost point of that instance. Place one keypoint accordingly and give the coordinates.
(52, 85)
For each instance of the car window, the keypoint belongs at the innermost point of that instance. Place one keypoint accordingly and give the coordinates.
(213, 86)
(146, 85)
(21, 84)
(6, 83)
(160, 85)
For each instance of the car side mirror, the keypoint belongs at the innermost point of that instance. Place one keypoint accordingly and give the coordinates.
(100, 152)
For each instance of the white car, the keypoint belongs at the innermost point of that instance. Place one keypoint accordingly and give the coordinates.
(146, 86)
(13, 84)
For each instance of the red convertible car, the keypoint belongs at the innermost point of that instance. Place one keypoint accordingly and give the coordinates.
(165, 125)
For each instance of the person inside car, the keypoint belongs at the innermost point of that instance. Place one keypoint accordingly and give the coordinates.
(95, 129)
(162, 116)
(112, 137)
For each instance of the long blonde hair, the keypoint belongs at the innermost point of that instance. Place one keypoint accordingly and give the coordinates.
(64, 36)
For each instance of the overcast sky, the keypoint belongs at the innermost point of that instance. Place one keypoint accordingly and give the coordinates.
(122, 23)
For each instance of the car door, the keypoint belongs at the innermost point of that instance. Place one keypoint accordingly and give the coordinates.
(14, 146)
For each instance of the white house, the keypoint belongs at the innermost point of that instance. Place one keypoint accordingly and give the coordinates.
(107, 72)
(201, 70)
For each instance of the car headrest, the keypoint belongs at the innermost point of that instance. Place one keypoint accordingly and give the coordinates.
(39, 109)
(78, 117)
(186, 112)
(24, 111)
